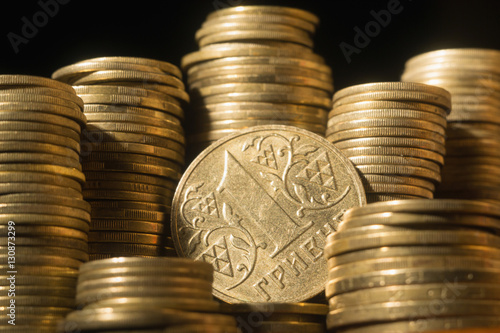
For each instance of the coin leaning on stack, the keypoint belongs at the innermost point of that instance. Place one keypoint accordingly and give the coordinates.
(133, 151)
(256, 67)
(44, 219)
(147, 294)
(394, 133)
(415, 266)
(472, 76)
(278, 317)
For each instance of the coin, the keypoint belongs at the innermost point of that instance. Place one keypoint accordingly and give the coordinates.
(400, 170)
(36, 81)
(397, 180)
(170, 173)
(259, 10)
(289, 35)
(40, 117)
(121, 249)
(395, 160)
(41, 137)
(381, 105)
(238, 154)
(38, 147)
(59, 110)
(395, 151)
(125, 110)
(335, 126)
(391, 142)
(378, 114)
(186, 304)
(261, 18)
(384, 132)
(103, 76)
(105, 156)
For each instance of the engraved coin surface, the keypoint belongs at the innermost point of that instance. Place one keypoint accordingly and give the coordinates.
(258, 206)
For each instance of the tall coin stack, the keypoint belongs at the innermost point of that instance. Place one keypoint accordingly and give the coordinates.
(147, 294)
(278, 317)
(133, 151)
(394, 133)
(415, 266)
(472, 76)
(255, 67)
(44, 219)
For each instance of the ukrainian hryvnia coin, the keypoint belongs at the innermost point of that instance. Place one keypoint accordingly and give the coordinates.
(258, 206)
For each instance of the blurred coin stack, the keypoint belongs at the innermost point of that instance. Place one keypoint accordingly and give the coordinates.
(278, 317)
(44, 219)
(472, 76)
(394, 133)
(147, 294)
(256, 66)
(132, 151)
(415, 266)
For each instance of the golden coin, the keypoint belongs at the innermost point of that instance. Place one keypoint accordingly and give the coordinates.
(130, 178)
(381, 106)
(124, 249)
(397, 180)
(58, 110)
(428, 206)
(308, 100)
(124, 109)
(128, 225)
(297, 36)
(33, 251)
(39, 117)
(257, 107)
(159, 215)
(40, 189)
(261, 18)
(24, 126)
(260, 115)
(263, 10)
(35, 98)
(49, 220)
(45, 168)
(104, 76)
(396, 151)
(224, 50)
(123, 237)
(390, 86)
(111, 141)
(40, 158)
(401, 170)
(179, 94)
(386, 132)
(243, 69)
(135, 158)
(373, 114)
(126, 186)
(39, 259)
(174, 131)
(187, 304)
(395, 160)
(39, 178)
(398, 189)
(166, 67)
(62, 242)
(233, 30)
(71, 73)
(335, 126)
(377, 197)
(35, 81)
(256, 60)
(44, 91)
(292, 80)
(397, 96)
(240, 124)
(45, 208)
(168, 172)
(40, 137)
(106, 194)
(138, 101)
(391, 142)
(236, 156)
(447, 54)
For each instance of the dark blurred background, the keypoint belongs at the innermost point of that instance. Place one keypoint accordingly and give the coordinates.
(164, 30)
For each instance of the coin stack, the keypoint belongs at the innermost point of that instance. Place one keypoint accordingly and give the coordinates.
(133, 151)
(415, 266)
(472, 76)
(44, 219)
(278, 317)
(255, 67)
(146, 294)
(394, 133)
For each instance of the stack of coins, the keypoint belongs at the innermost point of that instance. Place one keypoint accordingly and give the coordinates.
(44, 219)
(415, 266)
(278, 317)
(133, 151)
(394, 133)
(145, 294)
(255, 67)
(472, 76)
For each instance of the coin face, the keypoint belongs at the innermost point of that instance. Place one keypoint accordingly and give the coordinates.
(258, 206)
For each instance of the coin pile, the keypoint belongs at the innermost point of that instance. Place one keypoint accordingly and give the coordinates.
(278, 317)
(133, 151)
(472, 76)
(415, 266)
(256, 66)
(147, 294)
(394, 133)
(44, 219)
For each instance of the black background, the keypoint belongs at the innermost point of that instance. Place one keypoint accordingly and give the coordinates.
(165, 30)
